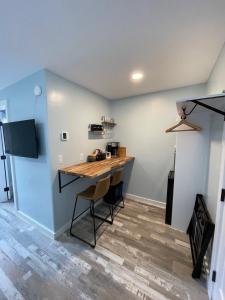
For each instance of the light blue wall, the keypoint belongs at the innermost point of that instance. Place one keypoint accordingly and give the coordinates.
(32, 176)
(65, 106)
(215, 85)
(142, 121)
(71, 108)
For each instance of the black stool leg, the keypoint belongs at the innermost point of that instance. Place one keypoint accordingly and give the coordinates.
(111, 213)
(123, 202)
(92, 212)
(74, 210)
(75, 218)
(93, 217)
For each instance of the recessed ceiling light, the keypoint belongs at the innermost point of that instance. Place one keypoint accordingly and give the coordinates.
(137, 76)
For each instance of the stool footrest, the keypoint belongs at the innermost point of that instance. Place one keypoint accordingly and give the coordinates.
(104, 219)
(80, 214)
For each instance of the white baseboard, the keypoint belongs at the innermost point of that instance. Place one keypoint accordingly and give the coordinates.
(45, 230)
(145, 200)
(61, 230)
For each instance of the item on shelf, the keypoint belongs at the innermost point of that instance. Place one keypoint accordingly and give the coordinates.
(100, 155)
(96, 127)
(122, 151)
(113, 148)
(108, 122)
(91, 158)
(97, 155)
(106, 126)
(108, 155)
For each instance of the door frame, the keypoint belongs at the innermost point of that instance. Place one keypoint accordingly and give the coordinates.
(220, 219)
(4, 106)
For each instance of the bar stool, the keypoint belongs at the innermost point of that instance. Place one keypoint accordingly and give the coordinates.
(115, 193)
(93, 194)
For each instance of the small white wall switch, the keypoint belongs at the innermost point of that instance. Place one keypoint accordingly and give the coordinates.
(60, 158)
(64, 136)
(81, 156)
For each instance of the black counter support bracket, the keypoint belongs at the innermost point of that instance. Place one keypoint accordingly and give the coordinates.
(66, 184)
(216, 110)
(214, 276)
(222, 198)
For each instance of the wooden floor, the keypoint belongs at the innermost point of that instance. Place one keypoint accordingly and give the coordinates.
(138, 257)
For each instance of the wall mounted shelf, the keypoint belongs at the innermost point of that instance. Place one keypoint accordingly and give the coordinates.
(109, 124)
(101, 130)
(96, 132)
(96, 128)
(215, 103)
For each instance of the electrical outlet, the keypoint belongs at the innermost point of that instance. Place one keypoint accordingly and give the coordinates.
(81, 156)
(64, 136)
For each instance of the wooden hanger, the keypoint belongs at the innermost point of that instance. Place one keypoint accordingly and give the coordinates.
(184, 125)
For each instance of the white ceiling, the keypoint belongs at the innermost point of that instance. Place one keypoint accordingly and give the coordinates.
(98, 43)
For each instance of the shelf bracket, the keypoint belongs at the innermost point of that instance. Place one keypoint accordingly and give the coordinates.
(62, 186)
(218, 111)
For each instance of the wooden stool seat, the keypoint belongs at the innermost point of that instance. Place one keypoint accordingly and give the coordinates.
(88, 194)
(116, 178)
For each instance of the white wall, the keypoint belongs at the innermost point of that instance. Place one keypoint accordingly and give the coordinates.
(192, 153)
(71, 108)
(216, 264)
(216, 84)
(141, 128)
(215, 151)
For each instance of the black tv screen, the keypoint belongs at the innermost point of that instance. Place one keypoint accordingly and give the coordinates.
(21, 139)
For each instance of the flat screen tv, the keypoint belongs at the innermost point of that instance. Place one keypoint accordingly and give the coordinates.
(21, 138)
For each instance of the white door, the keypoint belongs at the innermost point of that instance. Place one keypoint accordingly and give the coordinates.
(218, 262)
(219, 286)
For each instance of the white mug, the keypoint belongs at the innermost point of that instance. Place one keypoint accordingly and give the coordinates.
(108, 155)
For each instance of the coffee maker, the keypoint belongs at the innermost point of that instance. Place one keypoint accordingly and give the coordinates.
(112, 147)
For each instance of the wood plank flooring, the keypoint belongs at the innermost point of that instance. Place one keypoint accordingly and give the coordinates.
(138, 257)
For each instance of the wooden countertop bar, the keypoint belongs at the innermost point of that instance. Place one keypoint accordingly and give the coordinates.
(97, 168)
